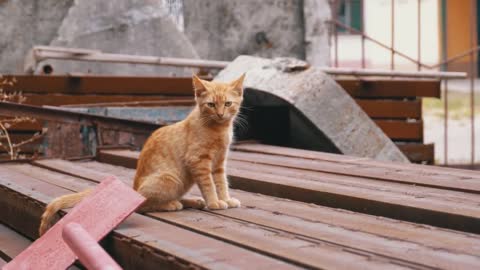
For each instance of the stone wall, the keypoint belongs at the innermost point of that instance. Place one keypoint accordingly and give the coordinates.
(210, 29)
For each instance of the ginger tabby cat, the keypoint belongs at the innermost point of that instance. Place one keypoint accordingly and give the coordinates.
(177, 156)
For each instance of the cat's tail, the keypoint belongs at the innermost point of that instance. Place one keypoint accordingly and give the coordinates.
(62, 202)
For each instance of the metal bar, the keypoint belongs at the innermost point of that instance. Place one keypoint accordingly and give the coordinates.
(378, 43)
(456, 57)
(392, 42)
(222, 64)
(419, 35)
(473, 75)
(387, 73)
(53, 114)
(445, 130)
(335, 31)
(445, 64)
(363, 38)
(43, 53)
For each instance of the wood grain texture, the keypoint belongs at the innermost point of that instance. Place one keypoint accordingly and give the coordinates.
(109, 204)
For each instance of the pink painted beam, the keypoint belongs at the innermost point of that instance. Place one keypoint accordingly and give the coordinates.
(88, 251)
(108, 205)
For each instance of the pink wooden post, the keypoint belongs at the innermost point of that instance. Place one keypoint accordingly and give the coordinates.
(88, 251)
(109, 204)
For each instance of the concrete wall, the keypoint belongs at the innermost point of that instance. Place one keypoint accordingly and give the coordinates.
(210, 29)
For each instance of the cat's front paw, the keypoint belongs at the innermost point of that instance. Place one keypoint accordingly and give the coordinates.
(217, 205)
(233, 203)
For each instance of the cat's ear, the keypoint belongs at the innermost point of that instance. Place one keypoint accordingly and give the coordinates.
(238, 84)
(198, 86)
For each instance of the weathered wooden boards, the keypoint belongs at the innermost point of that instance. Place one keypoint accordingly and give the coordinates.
(430, 195)
(98, 214)
(139, 243)
(288, 222)
(272, 232)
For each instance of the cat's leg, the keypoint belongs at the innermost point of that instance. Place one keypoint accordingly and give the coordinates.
(162, 192)
(201, 172)
(193, 202)
(221, 183)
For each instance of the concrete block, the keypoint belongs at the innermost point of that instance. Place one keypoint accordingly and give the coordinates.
(323, 116)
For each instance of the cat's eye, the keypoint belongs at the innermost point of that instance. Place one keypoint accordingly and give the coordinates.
(228, 104)
(211, 104)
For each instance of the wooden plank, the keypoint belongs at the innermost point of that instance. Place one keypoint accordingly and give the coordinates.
(411, 174)
(439, 181)
(417, 152)
(387, 88)
(137, 85)
(11, 242)
(402, 130)
(98, 214)
(63, 99)
(424, 171)
(278, 244)
(331, 225)
(454, 214)
(384, 108)
(168, 246)
(87, 84)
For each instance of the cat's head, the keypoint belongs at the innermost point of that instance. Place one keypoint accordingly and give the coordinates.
(218, 101)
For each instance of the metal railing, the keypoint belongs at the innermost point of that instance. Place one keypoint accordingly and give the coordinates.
(337, 25)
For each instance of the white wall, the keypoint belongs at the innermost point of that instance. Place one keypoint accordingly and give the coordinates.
(377, 24)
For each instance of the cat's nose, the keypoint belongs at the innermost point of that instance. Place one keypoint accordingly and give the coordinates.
(220, 115)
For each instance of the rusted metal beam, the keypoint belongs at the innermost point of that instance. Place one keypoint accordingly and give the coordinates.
(81, 84)
(58, 115)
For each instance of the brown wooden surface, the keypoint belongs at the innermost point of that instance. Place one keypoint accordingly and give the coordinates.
(139, 243)
(369, 189)
(380, 108)
(385, 88)
(402, 130)
(352, 230)
(115, 85)
(64, 99)
(87, 84)
(417, 152)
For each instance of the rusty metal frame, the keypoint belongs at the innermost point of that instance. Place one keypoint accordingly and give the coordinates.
(59, 115)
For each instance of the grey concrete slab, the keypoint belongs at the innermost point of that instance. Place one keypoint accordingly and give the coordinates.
(323, 115)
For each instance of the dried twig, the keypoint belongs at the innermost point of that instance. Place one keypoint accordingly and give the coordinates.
(13, 149)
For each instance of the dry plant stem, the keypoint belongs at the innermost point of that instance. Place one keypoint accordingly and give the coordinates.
(33, 138)
(10, 151)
